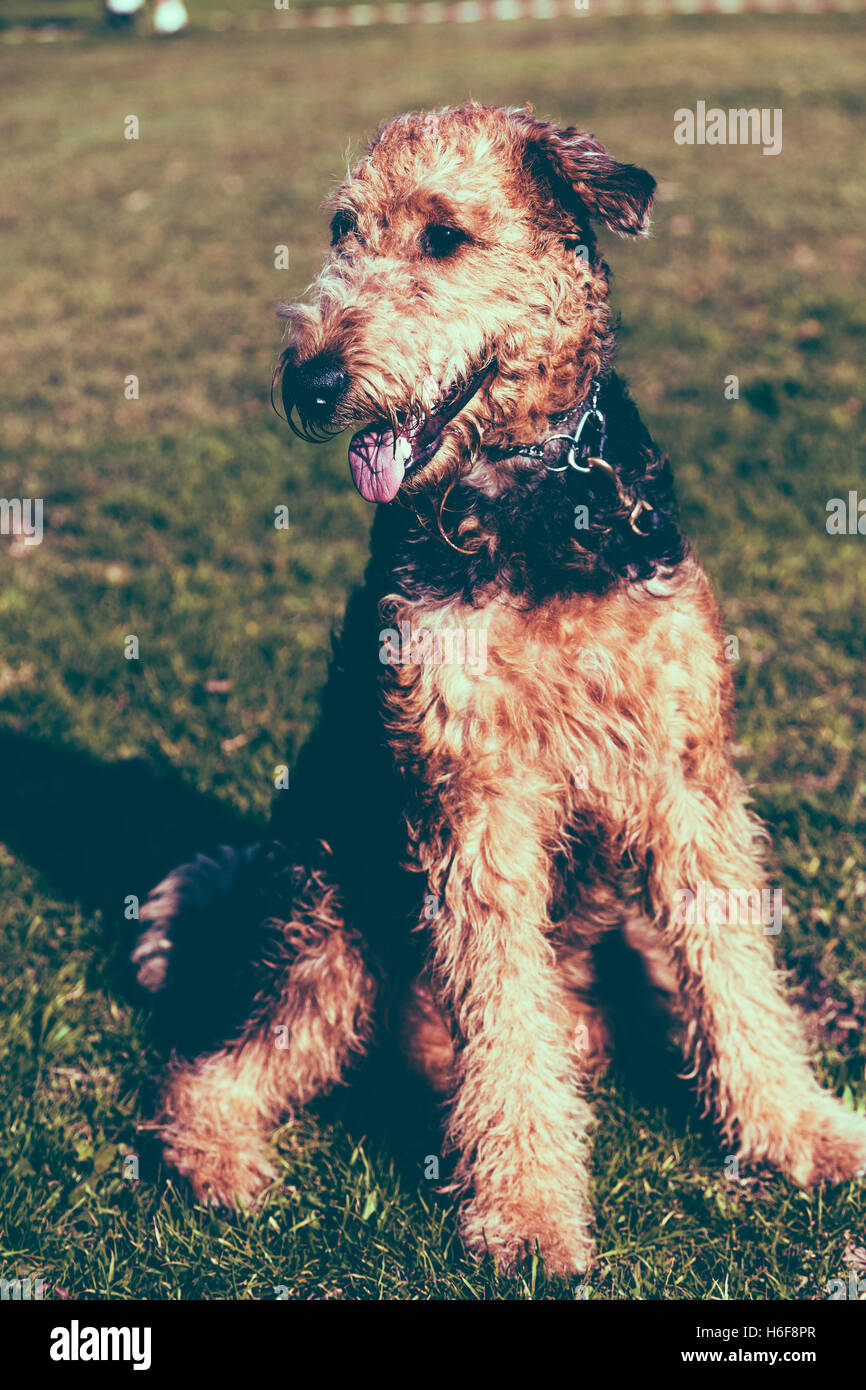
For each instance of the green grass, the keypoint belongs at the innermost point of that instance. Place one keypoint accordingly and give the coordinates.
(155, 257)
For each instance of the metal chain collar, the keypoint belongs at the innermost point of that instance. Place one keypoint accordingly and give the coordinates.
(634, 506)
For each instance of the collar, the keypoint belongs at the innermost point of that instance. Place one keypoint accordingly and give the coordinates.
(575, 436)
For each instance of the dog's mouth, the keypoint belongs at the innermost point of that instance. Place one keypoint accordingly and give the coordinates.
(379, 458)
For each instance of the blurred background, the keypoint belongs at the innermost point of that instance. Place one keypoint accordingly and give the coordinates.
(156, 258)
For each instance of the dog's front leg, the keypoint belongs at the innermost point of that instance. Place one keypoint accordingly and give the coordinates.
(518, 1120)
(748, 1044)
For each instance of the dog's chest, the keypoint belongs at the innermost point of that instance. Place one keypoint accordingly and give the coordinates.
(461, 685)
(598, 683)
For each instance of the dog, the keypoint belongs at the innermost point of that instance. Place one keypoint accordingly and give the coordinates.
(524, 740)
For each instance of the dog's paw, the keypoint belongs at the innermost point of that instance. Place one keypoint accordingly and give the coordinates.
(565, 1245)
(834, 1148)
(226, 1176)
(824, 1143)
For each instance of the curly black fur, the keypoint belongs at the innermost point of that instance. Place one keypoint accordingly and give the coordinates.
(525, 543)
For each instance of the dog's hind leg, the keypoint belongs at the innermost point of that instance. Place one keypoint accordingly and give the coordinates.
(425, 1037)
(590, 1034)
(312, 1012)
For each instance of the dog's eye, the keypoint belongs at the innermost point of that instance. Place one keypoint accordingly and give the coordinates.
(441, 241)
(342, 225)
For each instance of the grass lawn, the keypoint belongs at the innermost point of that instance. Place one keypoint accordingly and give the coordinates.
(155, 258)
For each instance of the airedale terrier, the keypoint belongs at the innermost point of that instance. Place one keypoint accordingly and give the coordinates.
(524, 738)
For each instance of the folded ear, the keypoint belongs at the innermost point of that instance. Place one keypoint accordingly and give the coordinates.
(573, 169)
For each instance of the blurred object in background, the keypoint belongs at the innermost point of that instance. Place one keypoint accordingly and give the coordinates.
(120, 14)
(169, 16)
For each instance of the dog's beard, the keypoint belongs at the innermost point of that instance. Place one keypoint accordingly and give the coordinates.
(380, 456)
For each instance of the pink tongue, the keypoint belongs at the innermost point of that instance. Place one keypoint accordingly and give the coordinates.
(378, 462)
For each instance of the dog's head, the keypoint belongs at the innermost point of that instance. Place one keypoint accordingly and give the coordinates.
(464, 300)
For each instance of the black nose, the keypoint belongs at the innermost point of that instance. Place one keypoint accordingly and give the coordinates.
(319, 385)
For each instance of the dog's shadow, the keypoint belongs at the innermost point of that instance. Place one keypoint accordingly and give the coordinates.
(100, 833)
